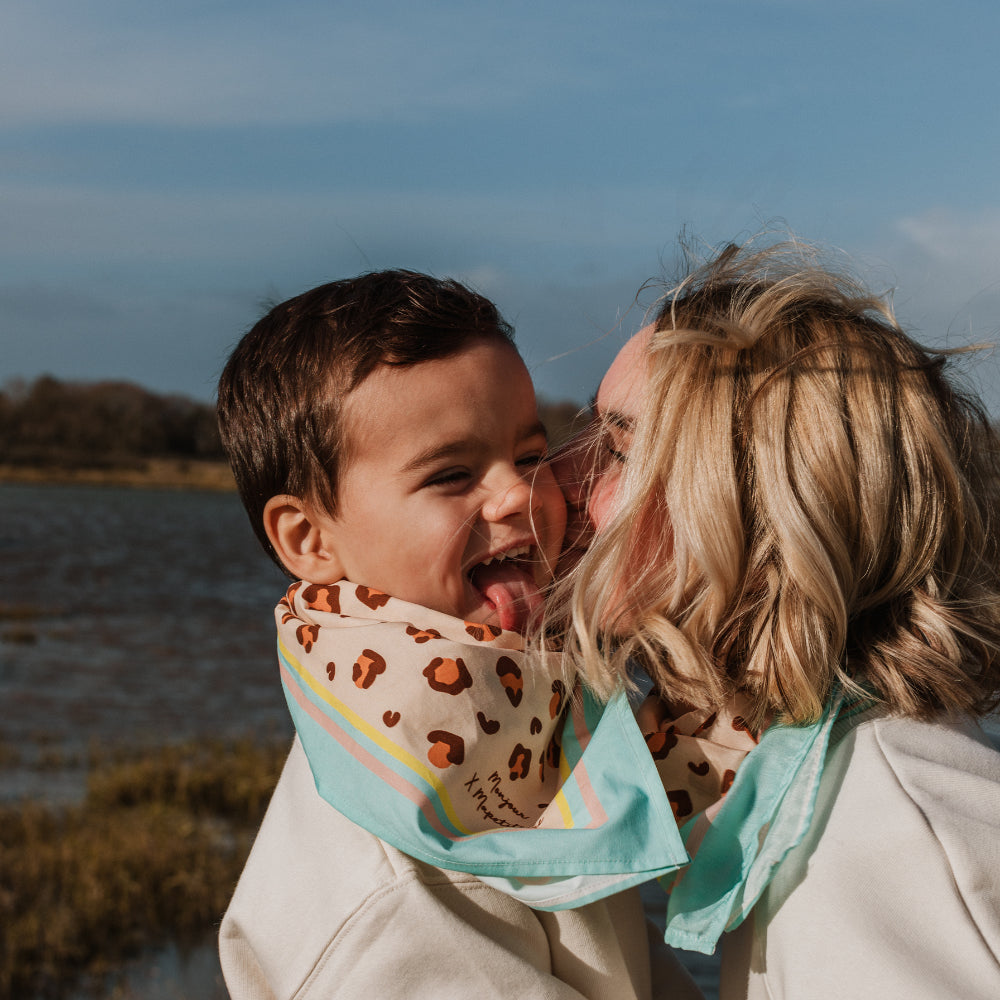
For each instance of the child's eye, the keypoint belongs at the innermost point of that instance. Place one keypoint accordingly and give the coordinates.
(450, 477)
(533, 459)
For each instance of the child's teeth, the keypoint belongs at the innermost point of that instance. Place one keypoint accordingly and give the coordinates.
(509, 554)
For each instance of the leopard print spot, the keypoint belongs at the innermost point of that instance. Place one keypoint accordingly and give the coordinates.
(536, 726)
(489, 726)
(680, 802)
(371, 598)
(740, 725)
(558, 699)
(519, 762)
(700, 769)
(390, 718)
(510, 677)
(482, 632)
(422, 634)
(319, 597)
(448, 676)
(307, 636)
(660, 744)
(553, 752)
(446, 749)
(331, 670)
(367, 667)
(728, 777)
(706, 725)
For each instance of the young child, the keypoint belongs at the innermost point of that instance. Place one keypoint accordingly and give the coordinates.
(450, 821)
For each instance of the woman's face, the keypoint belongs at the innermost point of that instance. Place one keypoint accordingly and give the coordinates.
(589, 480)
(616, 409)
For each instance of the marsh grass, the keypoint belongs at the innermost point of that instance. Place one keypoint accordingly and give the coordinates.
(151, 855)
(17, 624)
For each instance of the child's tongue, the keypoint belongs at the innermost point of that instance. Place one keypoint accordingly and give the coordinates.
(511, 590)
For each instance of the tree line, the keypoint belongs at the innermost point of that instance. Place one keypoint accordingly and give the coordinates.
(51, 422)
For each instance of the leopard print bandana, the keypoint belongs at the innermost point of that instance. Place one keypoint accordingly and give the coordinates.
(437, 736)
(697, 753)
(738, 844)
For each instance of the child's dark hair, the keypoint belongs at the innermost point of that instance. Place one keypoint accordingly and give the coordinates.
(283, 387)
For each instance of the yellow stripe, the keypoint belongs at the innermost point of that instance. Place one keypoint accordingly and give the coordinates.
(404, 757)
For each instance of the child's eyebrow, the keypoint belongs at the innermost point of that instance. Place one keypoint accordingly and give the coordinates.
(437, 453)
(536, 428)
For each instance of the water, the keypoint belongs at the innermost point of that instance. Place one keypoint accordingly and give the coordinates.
(141, 616)
(130, 616)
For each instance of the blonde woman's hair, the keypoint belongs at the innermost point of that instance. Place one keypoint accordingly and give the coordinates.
(808, 500)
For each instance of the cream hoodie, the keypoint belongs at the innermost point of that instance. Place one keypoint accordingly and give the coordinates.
(895, 890)
(326, 910)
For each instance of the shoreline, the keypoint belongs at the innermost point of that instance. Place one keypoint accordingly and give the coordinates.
(153, 473)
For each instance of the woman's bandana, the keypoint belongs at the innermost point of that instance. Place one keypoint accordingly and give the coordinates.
(697, 754)
(738, 843)
(442, 738)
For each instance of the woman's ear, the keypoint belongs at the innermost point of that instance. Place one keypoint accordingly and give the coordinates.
(298, 532)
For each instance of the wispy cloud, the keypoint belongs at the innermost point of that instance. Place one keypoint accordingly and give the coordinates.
(948, 261)
(226, 63)
(968, 241)
(944, 264)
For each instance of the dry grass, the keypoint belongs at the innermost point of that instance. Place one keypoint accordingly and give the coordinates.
(159, 473)
(151, 855)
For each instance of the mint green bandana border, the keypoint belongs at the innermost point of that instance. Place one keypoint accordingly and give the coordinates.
(765, 814)
(547, 869)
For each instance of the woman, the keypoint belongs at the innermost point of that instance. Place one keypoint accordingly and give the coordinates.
(795, 513)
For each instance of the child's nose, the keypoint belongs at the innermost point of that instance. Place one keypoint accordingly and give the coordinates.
(513, 497)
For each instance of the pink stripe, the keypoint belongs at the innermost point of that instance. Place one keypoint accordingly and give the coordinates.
(598, 817)
(373, 764)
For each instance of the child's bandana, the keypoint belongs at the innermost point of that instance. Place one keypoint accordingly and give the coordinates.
(438, 737)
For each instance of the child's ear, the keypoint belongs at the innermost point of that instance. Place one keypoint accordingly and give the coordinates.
(299, 536)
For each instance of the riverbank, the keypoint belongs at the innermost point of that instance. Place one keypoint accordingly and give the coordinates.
(149, 858)
(153, 473)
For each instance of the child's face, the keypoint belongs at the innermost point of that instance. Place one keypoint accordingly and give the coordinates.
(444, 471)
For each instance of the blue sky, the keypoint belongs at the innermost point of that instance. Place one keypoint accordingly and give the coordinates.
(167, 168)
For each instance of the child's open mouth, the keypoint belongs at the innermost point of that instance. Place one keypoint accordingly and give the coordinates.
(507, 581)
